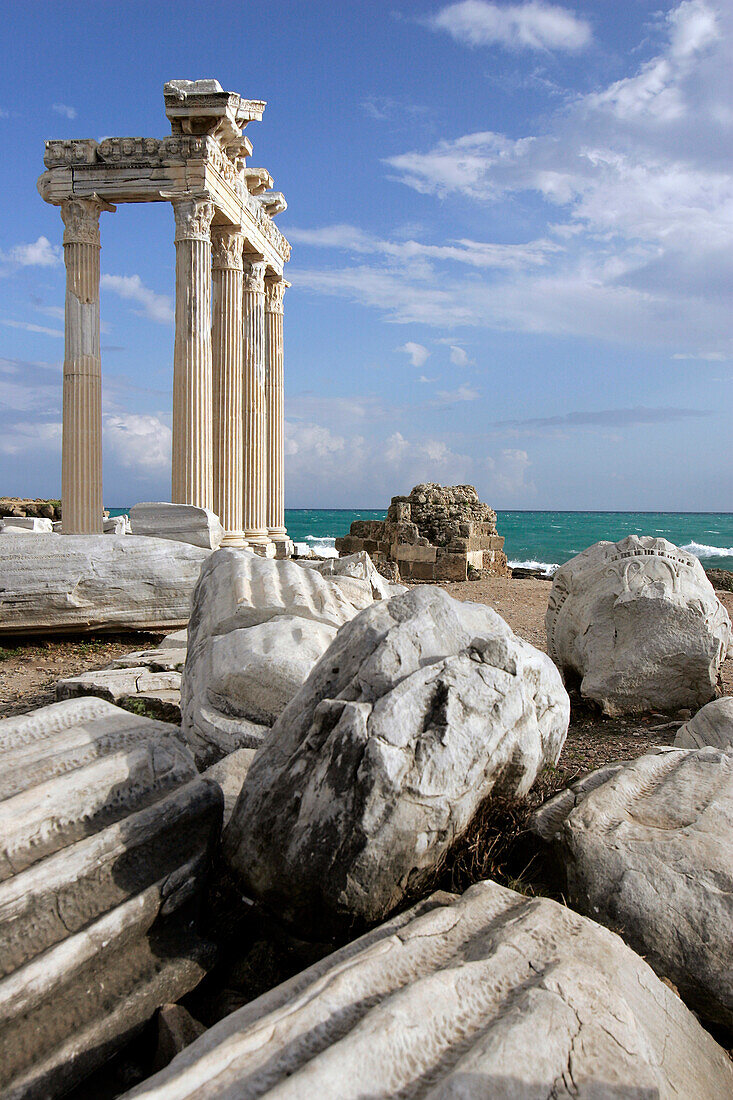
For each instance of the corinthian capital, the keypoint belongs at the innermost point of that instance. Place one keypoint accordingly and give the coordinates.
(226, 248)
(275, 288)
(81, 219)
(254, 275)
(193, 218)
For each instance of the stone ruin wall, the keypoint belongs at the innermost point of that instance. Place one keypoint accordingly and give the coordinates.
(435, 534)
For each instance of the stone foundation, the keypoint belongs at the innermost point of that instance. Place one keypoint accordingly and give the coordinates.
(435, 534)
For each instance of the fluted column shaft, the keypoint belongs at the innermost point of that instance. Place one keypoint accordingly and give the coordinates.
(255, 523)
(192, 466)
(226, 346)
(81, 450)
(275, 409)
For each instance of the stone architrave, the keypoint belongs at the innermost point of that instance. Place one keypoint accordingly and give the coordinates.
(192, 473)
(226, 338)
(255, 524)
(274, 401)
(81, 455)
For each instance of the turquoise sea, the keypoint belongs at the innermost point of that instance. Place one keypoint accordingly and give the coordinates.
(547, 539)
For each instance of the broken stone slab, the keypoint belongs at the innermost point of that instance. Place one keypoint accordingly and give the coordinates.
(491, 994)
(257, 628)
(638, 624)
(11, 525)
(712, 725)
(421, 708)
(177, 640)
(116, 684)
(84, 583)
(155, 660)
(107, 832)
(179, 522)
(647, 848)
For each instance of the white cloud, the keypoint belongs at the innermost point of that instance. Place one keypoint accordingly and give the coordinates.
(30, 437)
(417, 352)
(64, 109)
(463, 393)
(422, 378)
(706, 356)
(28, 327)
(459, 356)
(138, 442)
(508, 474)
(40, 253)
(480, 254)
(311, 439)
(640, 248)
(156, 307)
(534, 25)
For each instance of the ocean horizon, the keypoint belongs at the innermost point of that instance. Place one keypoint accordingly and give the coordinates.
(545, 539)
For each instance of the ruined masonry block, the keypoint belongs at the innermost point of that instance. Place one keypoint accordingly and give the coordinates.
(488, 995)
(106, 831)
(414, 553)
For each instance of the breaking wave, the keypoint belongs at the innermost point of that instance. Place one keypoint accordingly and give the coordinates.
(700, 550)
(548, 569)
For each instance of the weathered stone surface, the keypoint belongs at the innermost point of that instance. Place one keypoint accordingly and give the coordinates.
(638, 623)
(11, 525)
(106, 832)
(361, 567)
(117, 684)
(23, 506)
(229, 774)
(420, 708)
(179, 522)
(488, 995)
(82, 583)
(712, 725)
(257, 628)
(117, 525)
(647, 849)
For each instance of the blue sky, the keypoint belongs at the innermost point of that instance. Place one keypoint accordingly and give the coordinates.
(511, 229)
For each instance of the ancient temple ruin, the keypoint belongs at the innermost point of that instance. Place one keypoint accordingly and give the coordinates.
(228, 422)
(434, 534)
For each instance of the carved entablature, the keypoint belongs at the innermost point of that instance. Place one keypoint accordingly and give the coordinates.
(226, 248)
(193, 218)
(207, 141)
(61, 154)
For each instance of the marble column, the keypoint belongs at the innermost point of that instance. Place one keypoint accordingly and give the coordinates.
(255, 521)
(275, 287)
(192, 466)
(81, 451)
(226, 341)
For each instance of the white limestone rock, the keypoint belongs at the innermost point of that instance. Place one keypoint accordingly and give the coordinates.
(648, 848)
(179, 522)
(490, 995)
(83, 583)
(639, 624)
(106, 831)
(361, 566)
(13, 525)
(712, 725)
(420, 709)
(257, 628)
(117, 525)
